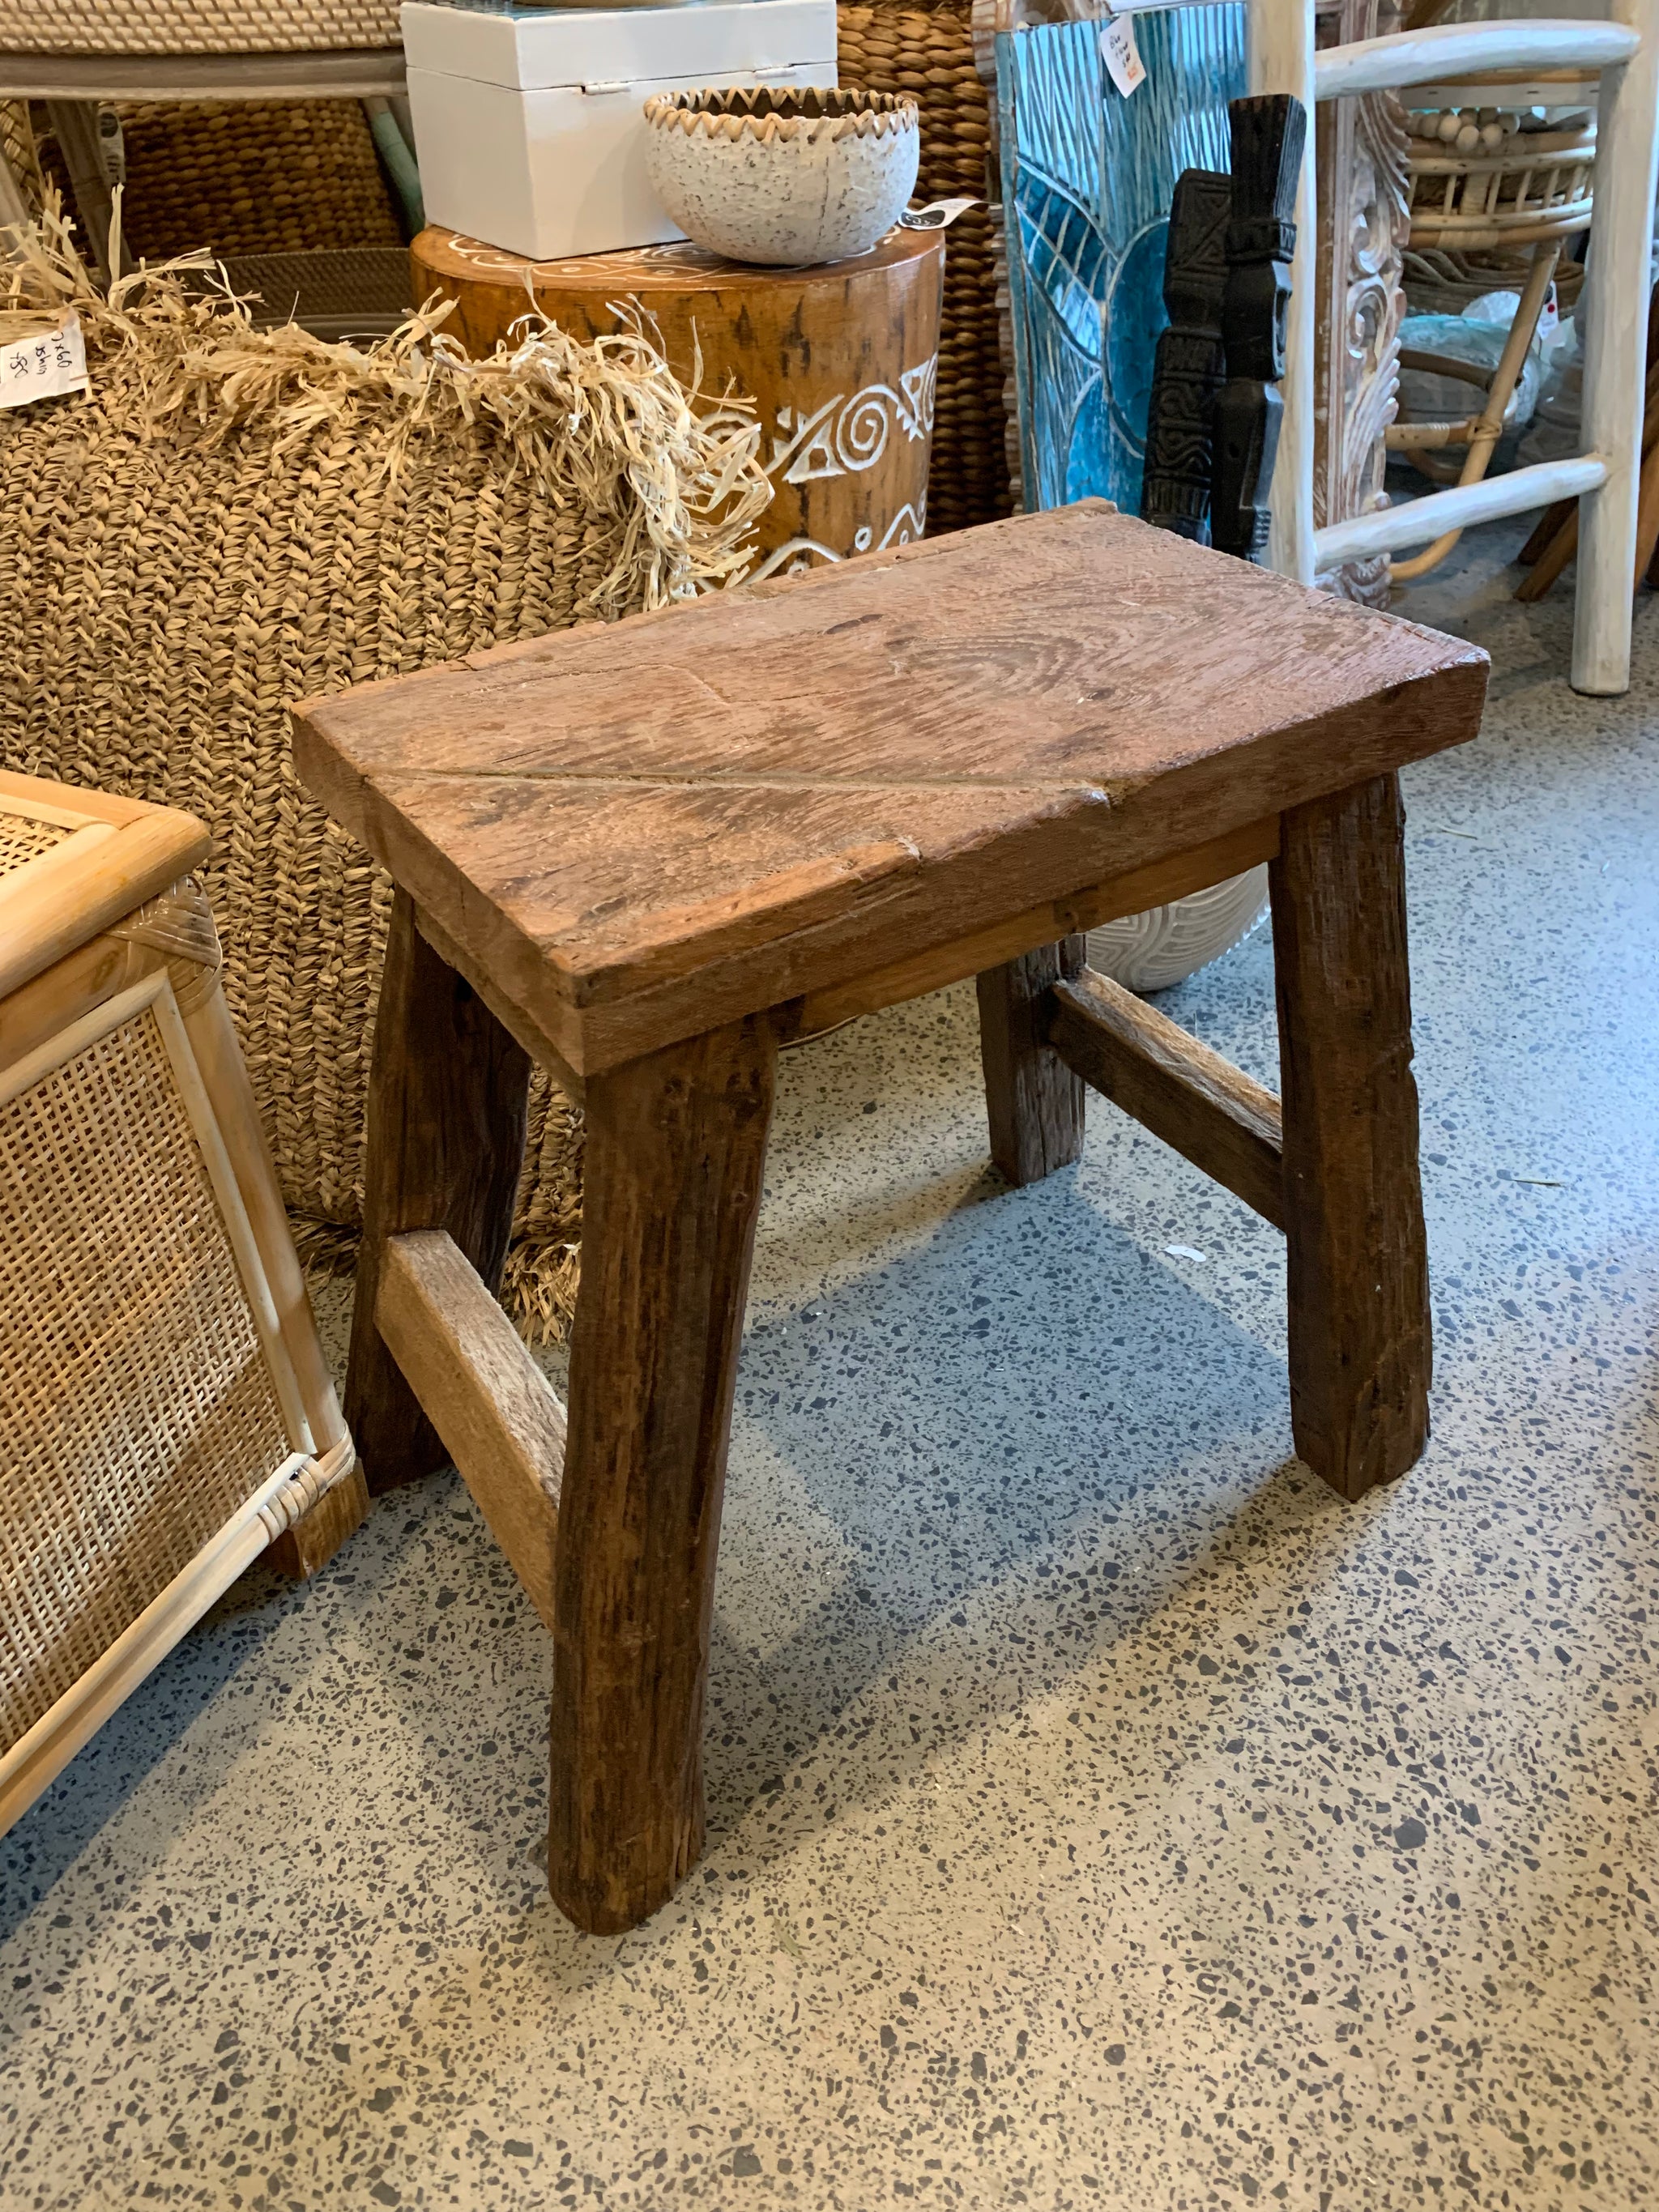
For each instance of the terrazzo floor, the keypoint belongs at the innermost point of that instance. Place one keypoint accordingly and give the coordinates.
(1101, 1812)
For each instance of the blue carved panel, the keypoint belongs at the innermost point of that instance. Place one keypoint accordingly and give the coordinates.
(1087, 179)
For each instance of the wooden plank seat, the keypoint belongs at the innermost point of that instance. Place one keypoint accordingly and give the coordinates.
(648, 854)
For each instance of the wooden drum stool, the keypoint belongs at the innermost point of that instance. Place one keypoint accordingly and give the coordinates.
(648, 855)
(840, 360)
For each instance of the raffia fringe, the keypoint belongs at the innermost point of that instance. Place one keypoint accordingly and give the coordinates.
(234, 520)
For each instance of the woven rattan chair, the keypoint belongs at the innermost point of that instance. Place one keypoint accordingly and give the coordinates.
(1532, 191)
(165, 1414)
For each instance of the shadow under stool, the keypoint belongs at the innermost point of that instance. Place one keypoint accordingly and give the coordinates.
(647, 853)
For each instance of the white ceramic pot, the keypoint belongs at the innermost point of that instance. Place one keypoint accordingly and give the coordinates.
(784, 178)
(1164, 946)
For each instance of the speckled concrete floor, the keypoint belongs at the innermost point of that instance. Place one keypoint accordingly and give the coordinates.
(1100, 1812)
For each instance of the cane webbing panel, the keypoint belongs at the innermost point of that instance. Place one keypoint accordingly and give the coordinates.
(22, 840)
(139, 1413)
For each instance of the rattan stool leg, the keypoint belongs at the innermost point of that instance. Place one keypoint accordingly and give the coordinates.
(675, 1152)
(448, 1106)
(1360, 1337)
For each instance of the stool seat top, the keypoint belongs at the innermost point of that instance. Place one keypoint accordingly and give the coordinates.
(639, 830)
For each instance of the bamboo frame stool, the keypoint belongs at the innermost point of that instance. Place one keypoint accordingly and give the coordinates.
(166, 1411)
(649, 854)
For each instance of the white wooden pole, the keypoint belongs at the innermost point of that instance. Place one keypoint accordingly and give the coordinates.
(1281, 59)
(1448, 50)
(1387, 529)
(1615, 354)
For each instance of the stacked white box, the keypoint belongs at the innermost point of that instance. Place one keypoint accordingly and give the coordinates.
(529, 128)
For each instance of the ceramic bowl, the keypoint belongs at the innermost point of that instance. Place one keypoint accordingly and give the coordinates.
(1150, 951)
(781, 177)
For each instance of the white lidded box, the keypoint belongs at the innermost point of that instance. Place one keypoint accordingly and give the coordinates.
(529, 128)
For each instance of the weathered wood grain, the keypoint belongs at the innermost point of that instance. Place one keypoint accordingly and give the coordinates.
(675, 1149)
(1359, 1333)
(1222, 1120)
(645, 830)
(541, 1050)
(1195, 870)
(499, 1418)
(1034, 1101)
(447, 1103)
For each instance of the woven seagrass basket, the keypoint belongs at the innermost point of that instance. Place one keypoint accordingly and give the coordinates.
(235, 520)
(290, 176)
(928, 51)
(196, 27)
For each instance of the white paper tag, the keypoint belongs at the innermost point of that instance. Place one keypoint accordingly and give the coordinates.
(1121, 54)
(43, 362)
(938, 215)
(1549, 315)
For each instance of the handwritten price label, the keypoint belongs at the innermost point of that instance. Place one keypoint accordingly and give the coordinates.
(43, 364)
(1121, 54)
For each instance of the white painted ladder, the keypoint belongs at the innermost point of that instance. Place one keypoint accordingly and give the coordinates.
(1624, 50)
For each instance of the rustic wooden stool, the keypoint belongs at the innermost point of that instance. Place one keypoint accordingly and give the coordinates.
(649, 853)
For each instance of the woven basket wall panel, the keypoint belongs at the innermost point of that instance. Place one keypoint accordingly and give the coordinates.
(928, 51)
(196, 27)
(293, 176)
(161, 605)
(139, 1413)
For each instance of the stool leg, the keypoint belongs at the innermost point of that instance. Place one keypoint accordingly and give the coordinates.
(676, 1148)
(448, 1106)
(1033, 1100)
(1359, 1340)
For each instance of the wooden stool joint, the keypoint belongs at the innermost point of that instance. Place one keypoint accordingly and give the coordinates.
(499, 1418)
(1212, 1113)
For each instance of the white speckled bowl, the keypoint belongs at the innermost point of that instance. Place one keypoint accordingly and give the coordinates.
(782, 177)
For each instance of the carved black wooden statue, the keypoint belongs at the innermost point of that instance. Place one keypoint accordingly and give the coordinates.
(1267, 137)
(1189, 364)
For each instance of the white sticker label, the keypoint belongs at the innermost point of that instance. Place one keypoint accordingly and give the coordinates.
(938, 215)
(1121, 54)
(43, 363)
(1549, 317)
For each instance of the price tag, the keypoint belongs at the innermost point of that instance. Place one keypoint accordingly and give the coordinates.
(938, 215)
(43, 360)
(1121, 54)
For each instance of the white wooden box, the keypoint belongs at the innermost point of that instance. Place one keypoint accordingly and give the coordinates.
(529, 128)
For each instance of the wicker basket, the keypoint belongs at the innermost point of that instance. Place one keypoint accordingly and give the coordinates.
(928, 51)
(196, 27)
(292, 176)
(168, 1411)
(1438, 283)
(364, 294)
(1537, 186)
(234, 522)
